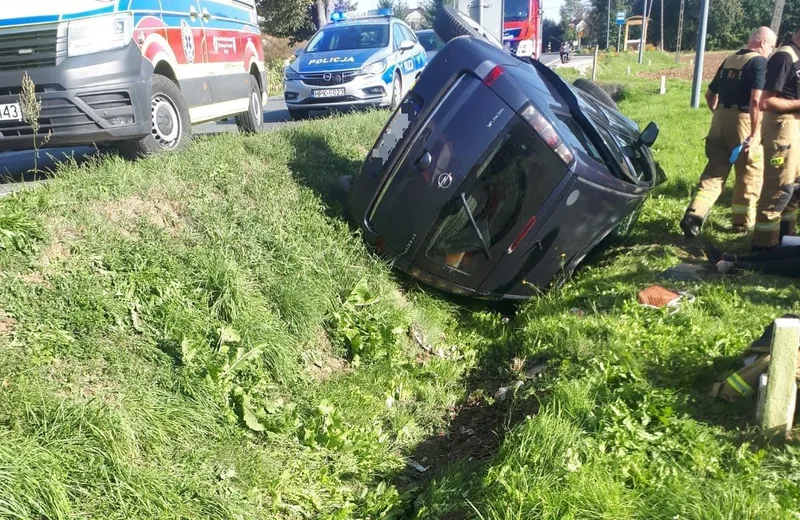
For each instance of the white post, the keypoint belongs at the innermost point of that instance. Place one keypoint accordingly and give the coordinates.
(594, 62)
(629, 71)
(781, 385)
(663, 85)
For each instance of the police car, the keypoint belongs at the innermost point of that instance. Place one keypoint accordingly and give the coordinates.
(371, 59)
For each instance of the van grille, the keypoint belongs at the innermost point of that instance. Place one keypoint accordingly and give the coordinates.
(28, 49)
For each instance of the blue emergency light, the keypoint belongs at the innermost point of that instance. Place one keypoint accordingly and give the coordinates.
(340, 16)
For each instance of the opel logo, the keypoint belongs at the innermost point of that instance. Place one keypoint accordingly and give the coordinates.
(326, 76)
(444, 181)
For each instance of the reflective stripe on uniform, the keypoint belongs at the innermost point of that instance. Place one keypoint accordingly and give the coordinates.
(740, 209)
(702, 196)
(740, 385)
(768, 226)
(791, 215)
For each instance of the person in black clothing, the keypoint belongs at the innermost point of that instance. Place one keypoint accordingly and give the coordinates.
(781, 261)
(733, 96)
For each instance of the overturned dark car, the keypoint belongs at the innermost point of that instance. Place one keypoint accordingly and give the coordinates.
(494, 178)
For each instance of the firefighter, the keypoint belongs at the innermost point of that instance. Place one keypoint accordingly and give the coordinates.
(733, 96)
(777, 208)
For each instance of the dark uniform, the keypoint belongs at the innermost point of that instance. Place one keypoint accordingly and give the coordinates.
(737, 77)
(777, 209)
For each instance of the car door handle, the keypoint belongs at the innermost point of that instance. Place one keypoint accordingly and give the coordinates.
(424, 161)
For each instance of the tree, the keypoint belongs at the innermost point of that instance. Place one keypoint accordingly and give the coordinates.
(345, 6)
(777, 14)
(287, 18)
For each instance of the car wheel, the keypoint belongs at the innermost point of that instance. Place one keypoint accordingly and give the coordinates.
(170, 122)
(622, 231)
(252, 121)
(450, 23)
(298, 115)
(594, 90)
(397, 91)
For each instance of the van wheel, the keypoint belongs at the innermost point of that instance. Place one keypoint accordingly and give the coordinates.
(594, 90)
(450, 23)
(171, 126)
(252, 121)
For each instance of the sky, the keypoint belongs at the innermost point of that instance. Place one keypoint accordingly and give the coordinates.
(551, 7)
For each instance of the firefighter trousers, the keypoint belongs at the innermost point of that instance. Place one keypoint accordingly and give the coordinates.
(729, 128)
(777, 212)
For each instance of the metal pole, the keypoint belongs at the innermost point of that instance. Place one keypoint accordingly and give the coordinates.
(701, 49)
(619, 35)
(644, 32)
(608, 26)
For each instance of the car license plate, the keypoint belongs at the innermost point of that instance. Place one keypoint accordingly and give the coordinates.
(328, 93)
(10, 112)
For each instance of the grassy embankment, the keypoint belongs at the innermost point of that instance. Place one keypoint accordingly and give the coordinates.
(202, 336)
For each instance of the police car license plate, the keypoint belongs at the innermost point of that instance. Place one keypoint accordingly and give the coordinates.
(328, 93)
(10, 112)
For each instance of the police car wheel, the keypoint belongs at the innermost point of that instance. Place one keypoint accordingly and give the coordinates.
(594, 90)
(298, 115)
(252, 121)
(170, 123)
(397, 91)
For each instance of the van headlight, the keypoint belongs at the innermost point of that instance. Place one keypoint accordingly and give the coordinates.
(99, 33)
(375, 68)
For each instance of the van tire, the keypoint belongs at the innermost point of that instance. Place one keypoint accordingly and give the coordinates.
(449, 25)
(252, 121)
(168, 109)
(594, 90)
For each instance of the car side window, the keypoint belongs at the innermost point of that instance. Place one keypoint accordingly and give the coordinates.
(397, 36)
(408, 34)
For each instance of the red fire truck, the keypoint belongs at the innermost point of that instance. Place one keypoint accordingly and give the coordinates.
(521, 27)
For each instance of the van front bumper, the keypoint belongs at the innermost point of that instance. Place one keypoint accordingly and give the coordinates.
(85, 100)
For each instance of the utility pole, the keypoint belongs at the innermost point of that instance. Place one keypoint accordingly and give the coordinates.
(701, 49)
(680, 34)
(661, 42)
(644, 33)
(608, 26)
(777, 14)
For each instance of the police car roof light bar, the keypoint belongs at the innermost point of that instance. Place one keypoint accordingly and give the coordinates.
(338, 16)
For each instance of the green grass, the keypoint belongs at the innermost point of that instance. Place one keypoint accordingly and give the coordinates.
(203, 336)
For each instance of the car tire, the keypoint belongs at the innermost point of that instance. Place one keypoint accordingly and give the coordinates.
(450, 23)
(298, 115)
(594, 90)
(397, 92)
(171, 126)
(252, 121)
(622, 231)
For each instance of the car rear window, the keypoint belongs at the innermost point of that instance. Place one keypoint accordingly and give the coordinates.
(521, 172)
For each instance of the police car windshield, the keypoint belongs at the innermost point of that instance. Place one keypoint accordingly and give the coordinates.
(349, 38)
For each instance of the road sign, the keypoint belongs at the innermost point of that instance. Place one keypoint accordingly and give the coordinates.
(620, 18)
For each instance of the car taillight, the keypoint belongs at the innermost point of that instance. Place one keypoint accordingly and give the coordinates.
(493, 75)
(549, 134)
(522, 234)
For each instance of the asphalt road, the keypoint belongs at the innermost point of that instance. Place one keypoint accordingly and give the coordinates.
(15, 166)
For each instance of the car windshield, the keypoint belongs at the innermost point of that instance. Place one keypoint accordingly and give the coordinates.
(429, 40)
(350, 37)
(516, 10)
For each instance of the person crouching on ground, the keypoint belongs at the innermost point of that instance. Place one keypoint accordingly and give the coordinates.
(777, 208)
(733, 96)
